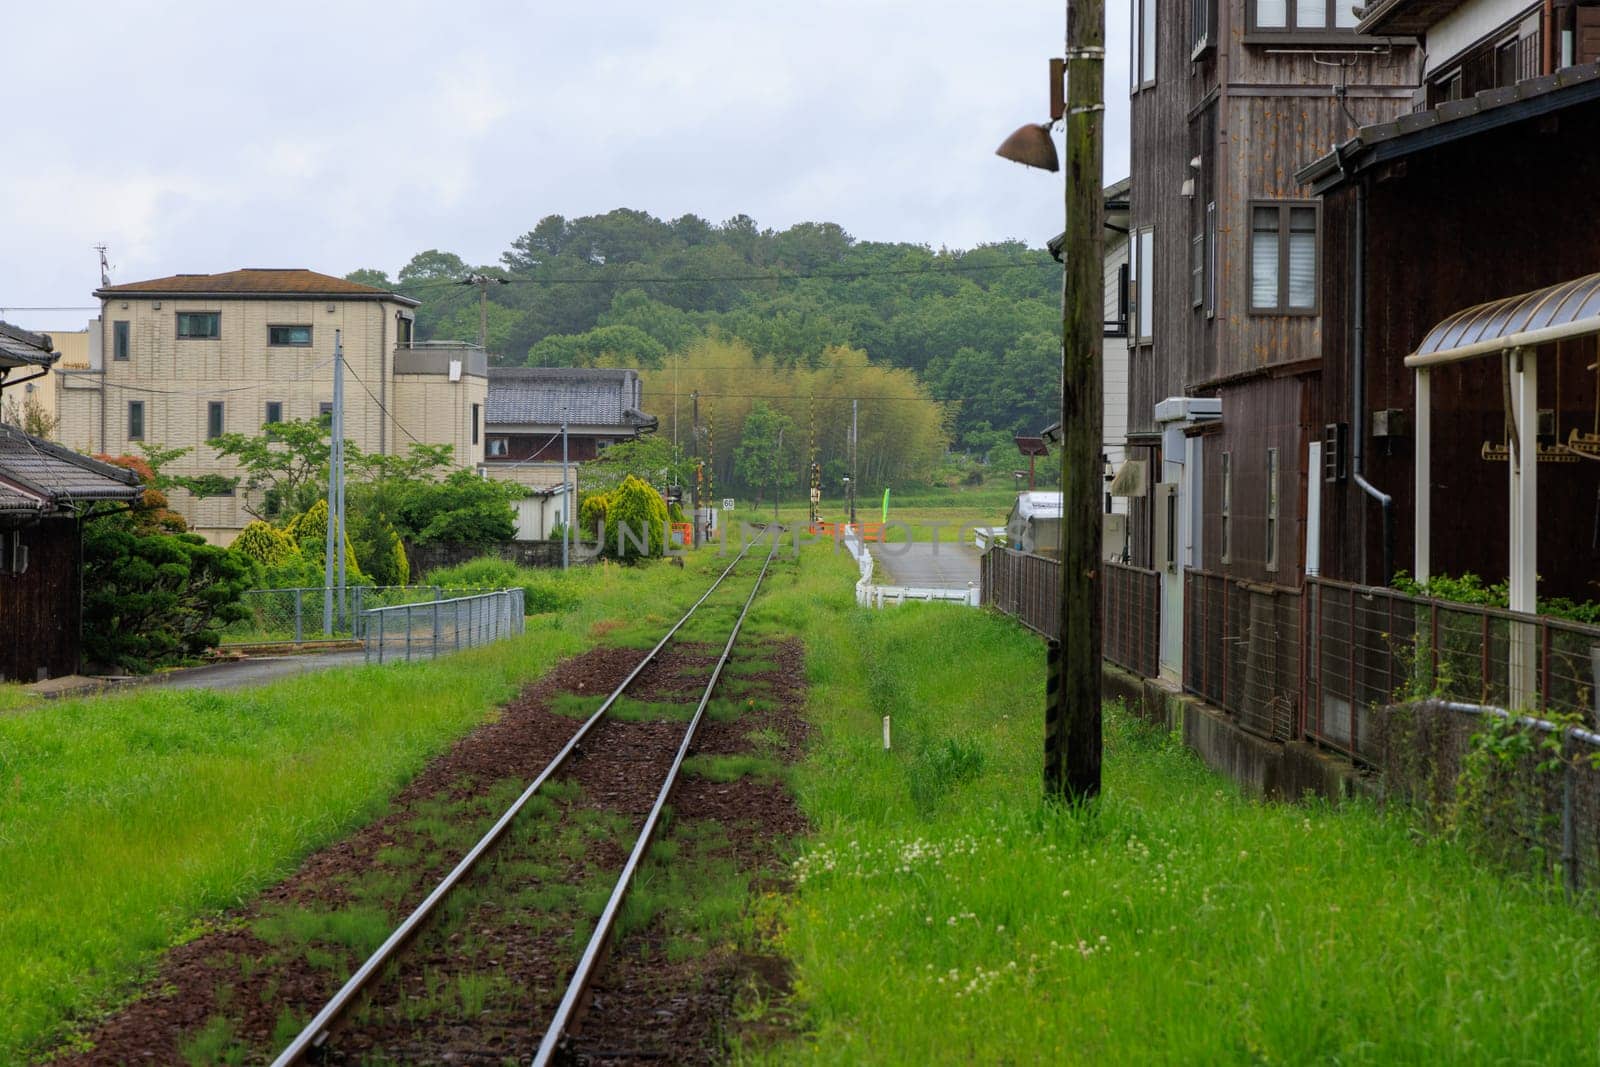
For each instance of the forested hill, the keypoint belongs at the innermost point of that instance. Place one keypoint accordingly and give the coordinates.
(980, 327)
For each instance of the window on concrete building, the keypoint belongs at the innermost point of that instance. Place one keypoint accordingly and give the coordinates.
(297, 336)
(1293, 15)
(274, 411)
(1283, 258)
(496, 447)
(136, 420)
(474, 424)
(119, 339)
(403, 331)
(1227, 507)
(1272, 509)
(213, 420)
(199, 325)
(325, 412)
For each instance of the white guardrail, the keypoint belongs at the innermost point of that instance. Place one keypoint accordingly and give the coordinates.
(412, 631)
(872, 595)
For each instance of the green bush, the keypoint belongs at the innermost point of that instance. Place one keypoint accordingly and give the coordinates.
(542, 591)
(310, 530)
(462, 509)
(635, 516)
(266, 544)
(378, 548)
(154, 599)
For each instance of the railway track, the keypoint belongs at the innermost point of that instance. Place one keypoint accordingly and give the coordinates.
(316, 1036)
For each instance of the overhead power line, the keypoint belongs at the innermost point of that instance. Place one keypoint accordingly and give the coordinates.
(766, 276)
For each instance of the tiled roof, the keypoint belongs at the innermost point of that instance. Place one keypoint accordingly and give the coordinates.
(255, 281)
(38, 475)
(1453, 120)
(19, 347)
(541, 395)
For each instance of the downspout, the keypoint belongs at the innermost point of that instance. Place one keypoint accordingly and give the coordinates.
(386, 363)
(1358, 376)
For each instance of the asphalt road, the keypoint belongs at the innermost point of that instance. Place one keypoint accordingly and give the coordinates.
(256, 670)
(925, 565)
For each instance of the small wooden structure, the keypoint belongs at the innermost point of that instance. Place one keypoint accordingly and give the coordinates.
(45, 490)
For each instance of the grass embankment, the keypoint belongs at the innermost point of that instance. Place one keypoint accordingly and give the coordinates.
(942, 913)
(124, 819)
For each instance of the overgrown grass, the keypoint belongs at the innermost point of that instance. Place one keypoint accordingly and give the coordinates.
(943, 913)
(126, 820)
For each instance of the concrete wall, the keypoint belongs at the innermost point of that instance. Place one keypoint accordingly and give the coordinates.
(426, 558)
(1266, 769)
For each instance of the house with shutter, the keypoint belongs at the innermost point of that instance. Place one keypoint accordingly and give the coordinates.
(179, 360)
(46, 491)
(1229, 99)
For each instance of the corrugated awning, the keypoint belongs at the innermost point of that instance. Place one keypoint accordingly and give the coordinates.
(1555, 313)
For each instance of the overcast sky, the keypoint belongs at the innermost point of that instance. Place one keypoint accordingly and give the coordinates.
(201, 137)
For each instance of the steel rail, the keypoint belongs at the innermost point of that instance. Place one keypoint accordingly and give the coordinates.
(584, 972)
(321, 1025)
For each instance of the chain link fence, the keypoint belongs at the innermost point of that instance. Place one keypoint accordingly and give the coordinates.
(426, 629)
(296, 614)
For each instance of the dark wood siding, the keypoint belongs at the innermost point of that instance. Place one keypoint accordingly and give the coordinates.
(546, 448)
(1268, 413)
(1488, 217)
(41, 610)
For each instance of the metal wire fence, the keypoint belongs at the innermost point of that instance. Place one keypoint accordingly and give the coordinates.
(1028, 586)
(428, 629)
(1242, 651)
(296, 614)
(1369, 647)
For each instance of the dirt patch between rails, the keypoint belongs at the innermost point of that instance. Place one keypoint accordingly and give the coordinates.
(236, 993)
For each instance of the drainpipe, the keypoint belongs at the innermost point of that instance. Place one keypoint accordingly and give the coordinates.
(1358, 378)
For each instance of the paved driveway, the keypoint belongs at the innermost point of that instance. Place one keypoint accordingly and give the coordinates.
(925, 565)
(256, 670)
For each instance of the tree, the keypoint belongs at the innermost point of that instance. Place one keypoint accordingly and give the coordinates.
(378, 279)
(286, 463)
(653, 460)
(153, 597)
(635, 518)
(627, 345)
(764, 458)
(29, 415)
(463, 509)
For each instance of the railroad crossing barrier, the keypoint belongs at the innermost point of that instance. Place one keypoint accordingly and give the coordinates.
(414, 631)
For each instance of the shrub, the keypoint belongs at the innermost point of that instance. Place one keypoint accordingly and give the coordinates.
(542, 591)
(309, 529)
(378, 548)
(635, 516)
(266, 544)
(462, 509)
(154, 599)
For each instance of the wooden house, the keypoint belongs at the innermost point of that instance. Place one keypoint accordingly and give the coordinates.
(1230, 98)
(45, 491)
(1466, 270)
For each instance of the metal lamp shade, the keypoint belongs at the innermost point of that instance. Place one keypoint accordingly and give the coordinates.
(1032, 147)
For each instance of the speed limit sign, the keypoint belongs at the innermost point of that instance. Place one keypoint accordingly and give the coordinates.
(727, 503)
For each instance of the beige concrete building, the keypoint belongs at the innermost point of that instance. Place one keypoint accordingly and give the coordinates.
(175, 361)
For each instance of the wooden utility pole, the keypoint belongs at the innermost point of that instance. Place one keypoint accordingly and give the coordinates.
(1072, 719)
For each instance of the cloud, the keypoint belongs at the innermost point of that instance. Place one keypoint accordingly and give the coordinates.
(197, 138)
